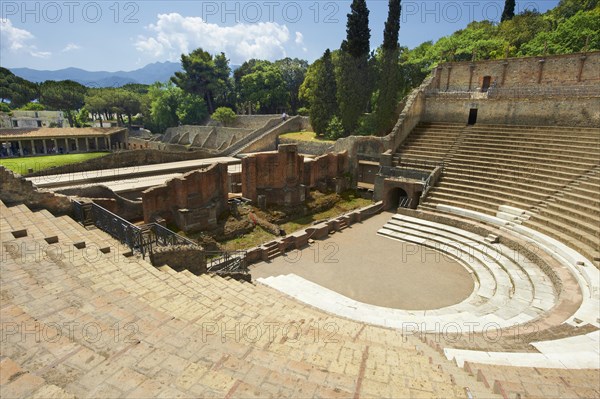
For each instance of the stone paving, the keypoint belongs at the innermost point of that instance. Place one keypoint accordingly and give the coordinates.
(84, 323)
(130, 178)
(372, 269)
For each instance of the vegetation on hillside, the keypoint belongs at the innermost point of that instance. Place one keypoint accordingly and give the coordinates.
(349, 90)
(43, 162)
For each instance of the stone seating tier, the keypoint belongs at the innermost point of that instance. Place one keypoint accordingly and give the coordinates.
(163, 348)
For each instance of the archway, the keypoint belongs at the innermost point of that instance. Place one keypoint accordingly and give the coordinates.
(487, 80)
(395, 197)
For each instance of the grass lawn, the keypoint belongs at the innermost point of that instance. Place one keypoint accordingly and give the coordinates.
(259, 236)
(305, 136)
(23, 164)
(256, 237)
(349, 203)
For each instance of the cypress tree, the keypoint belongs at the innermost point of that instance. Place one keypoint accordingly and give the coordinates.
(358, 33)
(392, 26)
(509, 10)
(354, 83)
(389, 74)
(324, 104)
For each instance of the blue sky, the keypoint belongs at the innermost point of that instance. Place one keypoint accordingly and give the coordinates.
(126, 35)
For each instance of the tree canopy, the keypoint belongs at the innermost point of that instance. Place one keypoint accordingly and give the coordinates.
(204, 75)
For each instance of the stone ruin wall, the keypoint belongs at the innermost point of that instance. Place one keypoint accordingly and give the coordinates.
(14, 189)
(276, 175)
(552, 71)
(284, 177)
(561, 90)
(193, 201)
(327, 171)
(570, 77)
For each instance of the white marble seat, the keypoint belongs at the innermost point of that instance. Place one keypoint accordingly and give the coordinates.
(586, 274)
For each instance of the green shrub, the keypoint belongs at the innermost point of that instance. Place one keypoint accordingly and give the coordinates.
(32, 107)
(367, 125)
(303, 111)
(335, 129)
(224, 115)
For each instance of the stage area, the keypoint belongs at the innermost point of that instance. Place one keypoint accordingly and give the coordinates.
(373, 269)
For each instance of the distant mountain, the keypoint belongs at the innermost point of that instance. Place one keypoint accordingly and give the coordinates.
(158, 71)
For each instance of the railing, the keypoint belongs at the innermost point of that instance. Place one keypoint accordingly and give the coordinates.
(404, 202)
(367, 157)
(518, 92)
(547, 91)
(156, 235)
(145, 238)
(78, 212)
(116, 226)
(403, 174)
(229, 261)
(141, 239)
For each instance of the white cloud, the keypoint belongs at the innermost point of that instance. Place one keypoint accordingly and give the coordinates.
(18, 40)
(174, 34)
(40, 54)
(71, 47)
(300, 41)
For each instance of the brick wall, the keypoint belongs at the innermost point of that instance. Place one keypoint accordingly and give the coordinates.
(277, 175)
(326, 169)
(193, 201)
(556, 70)
(540, 111)
(284, 176)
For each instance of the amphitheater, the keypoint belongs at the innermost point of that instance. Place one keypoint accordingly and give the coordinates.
(491, 177)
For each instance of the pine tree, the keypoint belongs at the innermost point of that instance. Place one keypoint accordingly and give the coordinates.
(389, 74)
(392, 26)
(354, 80)
(358, 33)
(509, 10)
(324, 104)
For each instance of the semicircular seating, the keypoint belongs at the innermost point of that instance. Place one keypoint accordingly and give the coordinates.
(82, 317)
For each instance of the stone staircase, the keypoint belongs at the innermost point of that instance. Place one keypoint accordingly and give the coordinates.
(510, 285)
(517, 382)
(271, 129)
(272, 249)
(83, 322)
(552, 173)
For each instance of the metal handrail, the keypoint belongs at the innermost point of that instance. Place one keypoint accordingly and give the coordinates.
(402, 173)
(522, 91)
(226, 261)
(144, 238)
(404, 202)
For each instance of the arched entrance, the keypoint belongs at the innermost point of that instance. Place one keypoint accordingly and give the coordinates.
(395, 197)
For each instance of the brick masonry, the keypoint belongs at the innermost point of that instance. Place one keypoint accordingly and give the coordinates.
(283, 177)
(569, 73)
(278, 176)
(193, 201)
(556, 70)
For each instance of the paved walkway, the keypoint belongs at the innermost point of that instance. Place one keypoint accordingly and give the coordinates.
(127, 173)
(361, 265)
(138, 184)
